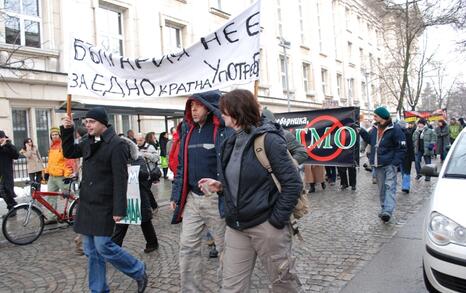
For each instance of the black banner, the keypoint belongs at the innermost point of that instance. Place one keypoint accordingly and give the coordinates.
(329, 136)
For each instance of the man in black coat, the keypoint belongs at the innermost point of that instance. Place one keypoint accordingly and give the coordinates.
(102, 198)
(8, 153)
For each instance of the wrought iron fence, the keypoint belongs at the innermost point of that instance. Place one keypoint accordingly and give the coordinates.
(20, 170)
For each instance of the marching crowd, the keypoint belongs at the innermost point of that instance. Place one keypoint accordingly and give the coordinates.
(220, 185)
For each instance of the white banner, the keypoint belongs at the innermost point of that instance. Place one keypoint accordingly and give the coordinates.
(228, 56)
(133, 197)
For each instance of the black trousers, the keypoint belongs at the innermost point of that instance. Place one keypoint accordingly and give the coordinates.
(146, 227)
(35, 177)
(347, 175)
(7, 192)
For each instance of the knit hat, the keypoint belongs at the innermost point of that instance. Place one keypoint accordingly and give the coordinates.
(54, 129)
(99, 114)
(382, 112)
(2, 134)
(422, 121)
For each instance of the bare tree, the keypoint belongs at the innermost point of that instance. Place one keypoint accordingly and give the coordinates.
(404, 22)
(457, 102)
(443, 87)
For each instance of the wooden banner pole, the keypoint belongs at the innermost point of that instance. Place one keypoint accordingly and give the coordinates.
(256, 88)
(68, 105)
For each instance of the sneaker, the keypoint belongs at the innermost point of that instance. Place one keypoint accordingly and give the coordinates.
(418, 177)
(385, 217)
(405, 190)
(150, 248)
(142, 283)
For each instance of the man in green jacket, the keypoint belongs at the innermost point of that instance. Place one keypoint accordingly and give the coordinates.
(455, 129)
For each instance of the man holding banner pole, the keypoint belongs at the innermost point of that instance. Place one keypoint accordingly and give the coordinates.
(388, 148)
(102, 198)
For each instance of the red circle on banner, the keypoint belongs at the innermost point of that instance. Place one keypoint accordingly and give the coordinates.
(336, 123)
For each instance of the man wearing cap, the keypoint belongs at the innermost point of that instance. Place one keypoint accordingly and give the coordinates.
(58, 168)
(8, 153)
(388, 148)
(102, 198)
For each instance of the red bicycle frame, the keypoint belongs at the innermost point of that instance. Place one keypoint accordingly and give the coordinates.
(38, 195)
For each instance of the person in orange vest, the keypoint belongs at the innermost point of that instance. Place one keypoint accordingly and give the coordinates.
(58, 168)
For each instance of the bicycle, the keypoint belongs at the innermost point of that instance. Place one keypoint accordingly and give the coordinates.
(24, 223)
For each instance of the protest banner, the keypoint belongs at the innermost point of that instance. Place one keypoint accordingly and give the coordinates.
(330, 136)
(133, 197)
(225, 57)
(413, 116)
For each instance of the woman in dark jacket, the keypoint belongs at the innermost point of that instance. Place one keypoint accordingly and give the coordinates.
(163, 140)
(257, 214)
(145, 193)
(443, 139)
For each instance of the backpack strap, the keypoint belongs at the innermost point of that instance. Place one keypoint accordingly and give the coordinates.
(259, 150)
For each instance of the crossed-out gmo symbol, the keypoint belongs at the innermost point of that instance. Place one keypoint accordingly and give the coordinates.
(339, 137)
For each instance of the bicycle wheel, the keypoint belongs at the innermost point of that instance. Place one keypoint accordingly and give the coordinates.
(72, 212)
(22, 225)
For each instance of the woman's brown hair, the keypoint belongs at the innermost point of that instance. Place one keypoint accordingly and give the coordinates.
(242, 106)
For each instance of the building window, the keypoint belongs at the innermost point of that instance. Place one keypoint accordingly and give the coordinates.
(20, 126)
(279, 18)
(21, 23)
(301, 21)
(174, 39)
(371, 64)
(126, 123)
(42, 130)
(325, 85)
(307, 78)
(350, 51)
(363, 91)
(319, 27)
(112, 120)
(339, 84)
(110, 30)
(348, 19)
(284, 73)
(350, 90)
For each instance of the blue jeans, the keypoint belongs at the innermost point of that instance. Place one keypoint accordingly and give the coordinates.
(386, 181)
(405, 178)
(101, 249)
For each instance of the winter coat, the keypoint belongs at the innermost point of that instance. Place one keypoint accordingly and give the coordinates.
(103, 188)
(391, 148)
(34, 160)
(409, 156)
(150, 154)
(455, 130)
(443, 139)
(8, 153)
(429, 138)
(221, 132)
(57, 164)
(163, 146)
(297, 150)
(258, 198)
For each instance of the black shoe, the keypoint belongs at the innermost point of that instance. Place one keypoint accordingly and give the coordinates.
(343, 187)
(150, 248)
(312, 190)
(405, 190)
(323, 186)
(142, 283)
(427, 178)
(385, 217)
(353, 188)
(418, 177)
(213, 253)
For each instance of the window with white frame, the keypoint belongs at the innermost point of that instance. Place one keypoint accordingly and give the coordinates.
(350, 89)
(307, 77)
(363, 91)
(42, 130)
(284, 72)
(350, 51)
(348, 18)
(339, 84)
(279, 18)
(325, 85)
(319, 27)
(21, 23)
(174, 37)
(110, 29)
(301, 22)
